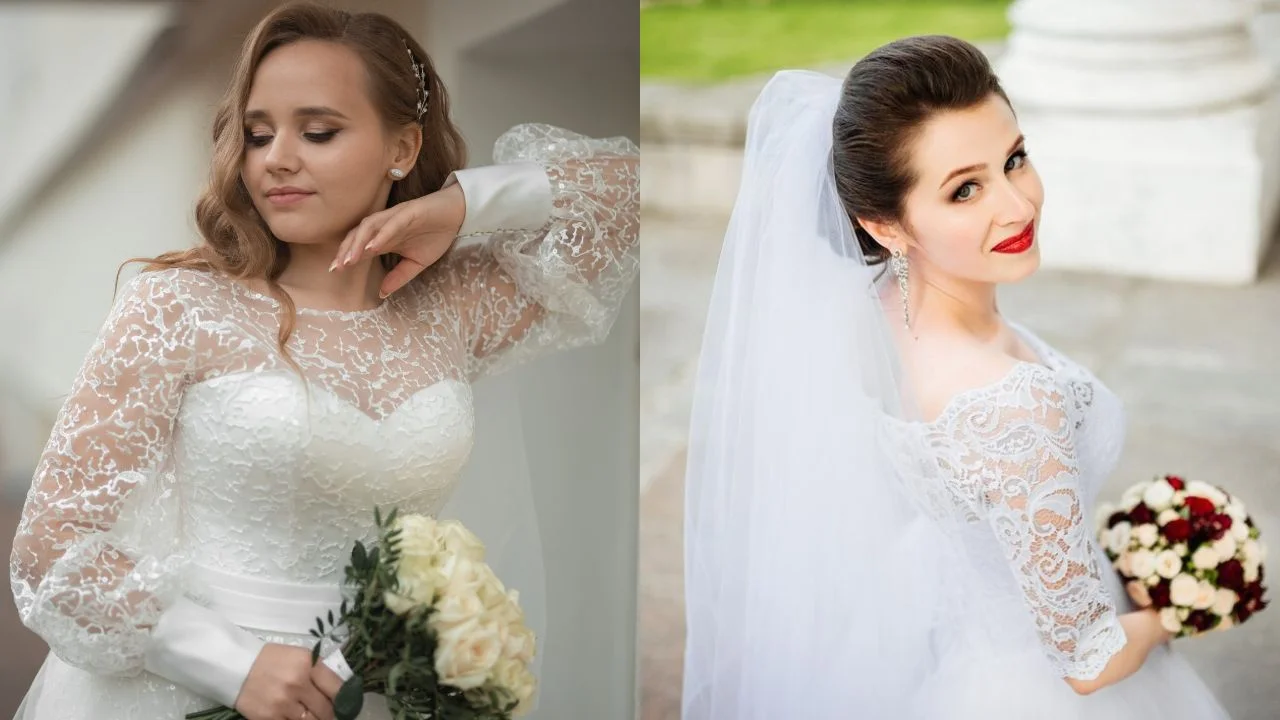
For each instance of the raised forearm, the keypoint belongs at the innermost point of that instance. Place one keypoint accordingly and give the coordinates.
(1143, 633)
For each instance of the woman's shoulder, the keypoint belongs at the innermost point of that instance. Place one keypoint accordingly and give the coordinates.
(188, 287)
(957, 378)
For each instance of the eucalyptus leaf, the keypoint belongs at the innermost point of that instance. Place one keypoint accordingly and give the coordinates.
(349, 701)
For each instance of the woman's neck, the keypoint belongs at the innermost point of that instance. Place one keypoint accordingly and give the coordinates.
(941, 303)
(310, 284)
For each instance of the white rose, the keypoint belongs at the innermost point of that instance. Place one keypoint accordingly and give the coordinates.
(491, 590)
(1158, 495)
(1141, 563)
(1225, 623)
(418, 582)
(1183, 590)
(1180, 498)
(418, 536)
(1104, 539)
(1133, 494)
(1184, 613)
(1205, 490)
(1153, 580)
(1138, 593)
(1249, 552)
(456, 608)
(1205, 596)
(1236, 513)
(1169, 620)
(457, 538)
(1166, 516)
(1120, 538)
(1225, 547)
(1205, 558)
(1250, 572)
(1146, 534)
(1180, 549)
(1224, 602)
(461, 574)
(521, 645)
(1103, 514)
(1123, 565)
(466, 654)
(517, 682)
(1239, 530)
(1168, 564)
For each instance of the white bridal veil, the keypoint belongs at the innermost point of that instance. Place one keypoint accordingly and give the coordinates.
(812, 578)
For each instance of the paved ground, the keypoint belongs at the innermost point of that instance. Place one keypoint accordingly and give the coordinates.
(1196, 366)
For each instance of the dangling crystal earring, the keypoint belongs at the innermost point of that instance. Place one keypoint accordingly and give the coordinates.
(898, 263)
(397, 173)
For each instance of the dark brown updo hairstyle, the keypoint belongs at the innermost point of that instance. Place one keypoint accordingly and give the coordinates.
(886, 99)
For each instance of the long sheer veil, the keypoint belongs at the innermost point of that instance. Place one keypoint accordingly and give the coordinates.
(813, 575)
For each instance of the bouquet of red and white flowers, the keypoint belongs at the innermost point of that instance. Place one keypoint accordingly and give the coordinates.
(1187, 549)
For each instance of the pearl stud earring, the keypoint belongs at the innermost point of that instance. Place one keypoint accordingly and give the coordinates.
(397, 173)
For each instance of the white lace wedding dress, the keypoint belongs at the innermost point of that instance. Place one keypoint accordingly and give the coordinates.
(198, 498)
(1022, 462)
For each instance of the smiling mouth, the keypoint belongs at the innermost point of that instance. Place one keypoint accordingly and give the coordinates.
(1018, 243)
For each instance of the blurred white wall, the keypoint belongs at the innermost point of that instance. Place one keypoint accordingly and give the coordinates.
(117, 175)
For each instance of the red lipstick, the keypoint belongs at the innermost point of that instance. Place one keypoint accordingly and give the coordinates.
(1019, 243)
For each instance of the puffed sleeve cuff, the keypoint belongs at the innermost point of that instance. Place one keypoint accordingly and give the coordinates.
(514, 196)
(202, 651)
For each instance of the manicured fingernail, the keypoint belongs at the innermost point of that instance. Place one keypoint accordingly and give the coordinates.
(369, 246)
(334, 266)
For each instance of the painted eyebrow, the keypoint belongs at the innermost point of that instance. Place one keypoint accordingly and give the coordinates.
(314, 111)
(971, 168)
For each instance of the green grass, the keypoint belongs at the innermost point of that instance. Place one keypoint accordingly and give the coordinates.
(712, 41)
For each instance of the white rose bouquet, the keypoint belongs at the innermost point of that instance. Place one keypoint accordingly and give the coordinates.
(431, 628)
(1187, 549)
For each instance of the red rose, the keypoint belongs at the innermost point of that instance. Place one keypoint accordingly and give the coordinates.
(1218, 526)
(1141, 514)
(1199, 506)
(1175, 482)
(1176, 531)
(1231, 575)
(1200, 620)
(1160, 594)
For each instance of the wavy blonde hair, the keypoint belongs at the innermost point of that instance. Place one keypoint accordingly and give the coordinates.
(235, 240)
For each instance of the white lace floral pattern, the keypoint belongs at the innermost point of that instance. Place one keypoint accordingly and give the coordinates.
(187, 440)
(1013, 457)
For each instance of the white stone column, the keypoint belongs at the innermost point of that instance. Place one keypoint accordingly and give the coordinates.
(1154, 125)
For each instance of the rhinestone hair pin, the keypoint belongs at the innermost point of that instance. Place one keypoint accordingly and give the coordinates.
(420, 73)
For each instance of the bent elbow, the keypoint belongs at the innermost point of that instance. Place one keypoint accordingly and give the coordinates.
(1083, 687)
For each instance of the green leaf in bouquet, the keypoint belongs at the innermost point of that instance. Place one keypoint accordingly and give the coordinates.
(349, 701)
(377, 516)
(393, 678)
(373, 556)
(359, 557)
(320, 627)
(315, 655)
(331, 623)
(391, 518)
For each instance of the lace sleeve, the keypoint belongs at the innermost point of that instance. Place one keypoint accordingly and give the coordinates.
(525, 292)
(1029, 487)
(93, 561)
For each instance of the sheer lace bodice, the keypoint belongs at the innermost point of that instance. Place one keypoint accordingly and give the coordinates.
(189, 441)
(1019, 464)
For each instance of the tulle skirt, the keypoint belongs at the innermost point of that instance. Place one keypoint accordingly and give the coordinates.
(1022, 686)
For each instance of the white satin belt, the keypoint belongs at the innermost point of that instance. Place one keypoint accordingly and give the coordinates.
(264, 604)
